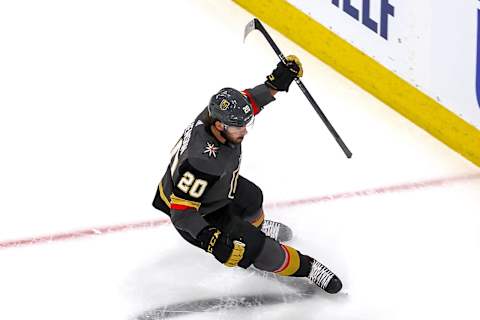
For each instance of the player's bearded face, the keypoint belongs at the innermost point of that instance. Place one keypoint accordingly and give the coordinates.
(235, 134)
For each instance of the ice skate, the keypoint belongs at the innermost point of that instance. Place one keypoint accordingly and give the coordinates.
(277, 231)
(324, 278)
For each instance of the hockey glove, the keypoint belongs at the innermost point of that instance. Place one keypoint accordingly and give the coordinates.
(284, 74)
(223, 249)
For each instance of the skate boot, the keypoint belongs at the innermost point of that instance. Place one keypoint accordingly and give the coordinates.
(277, 231)
(324, 278)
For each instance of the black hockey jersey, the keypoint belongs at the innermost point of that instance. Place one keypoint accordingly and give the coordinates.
(203, 172)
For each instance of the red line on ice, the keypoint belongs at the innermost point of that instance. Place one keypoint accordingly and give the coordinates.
(81, 233)
(375, 191)
(280, 204)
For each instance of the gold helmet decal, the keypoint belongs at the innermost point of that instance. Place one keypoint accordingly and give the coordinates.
(224, 104)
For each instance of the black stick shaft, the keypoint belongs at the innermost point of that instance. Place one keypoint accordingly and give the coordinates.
(258, 25)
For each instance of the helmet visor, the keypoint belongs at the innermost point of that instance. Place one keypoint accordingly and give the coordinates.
(248, 125)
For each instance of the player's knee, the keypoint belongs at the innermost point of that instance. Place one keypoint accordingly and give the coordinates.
(258, 199)
(255, 201)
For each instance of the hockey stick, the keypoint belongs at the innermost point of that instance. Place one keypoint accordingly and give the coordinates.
(255, 24)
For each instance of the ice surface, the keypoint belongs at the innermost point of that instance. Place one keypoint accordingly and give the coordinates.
(94, 94)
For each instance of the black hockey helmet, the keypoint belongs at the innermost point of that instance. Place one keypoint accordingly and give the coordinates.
(230, 107)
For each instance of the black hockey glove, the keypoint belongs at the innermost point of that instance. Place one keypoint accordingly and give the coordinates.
(284, 74)
(223, 249)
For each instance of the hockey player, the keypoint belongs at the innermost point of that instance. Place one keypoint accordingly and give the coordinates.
(218, 210)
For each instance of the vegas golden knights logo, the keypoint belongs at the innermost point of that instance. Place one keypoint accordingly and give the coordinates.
(224, 104)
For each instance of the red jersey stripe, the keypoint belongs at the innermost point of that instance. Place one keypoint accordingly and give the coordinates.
(256, 109)
(180, 207)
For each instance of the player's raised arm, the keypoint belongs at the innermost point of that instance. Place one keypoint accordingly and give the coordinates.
(279, 80)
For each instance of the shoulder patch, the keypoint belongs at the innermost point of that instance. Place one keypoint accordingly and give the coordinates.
(211, 149)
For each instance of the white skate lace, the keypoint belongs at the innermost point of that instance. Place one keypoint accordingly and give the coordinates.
(271, 229)
(320, 275)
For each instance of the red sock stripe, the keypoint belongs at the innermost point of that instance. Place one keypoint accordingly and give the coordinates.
(256, 109)
(286, 262)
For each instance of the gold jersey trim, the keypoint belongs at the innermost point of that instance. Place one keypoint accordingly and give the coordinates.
(163, 196)
(176, 200)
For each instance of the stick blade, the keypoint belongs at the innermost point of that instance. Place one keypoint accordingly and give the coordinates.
(252, 25)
